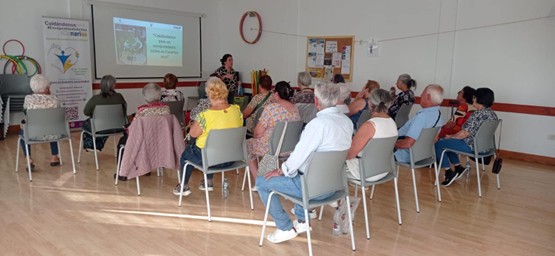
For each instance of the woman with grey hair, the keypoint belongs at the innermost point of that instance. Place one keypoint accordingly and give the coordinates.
(41, 99)
(107, 96)
(152, 93)
(305, 95)
(405, 97)
(344, 97)
(381, 125)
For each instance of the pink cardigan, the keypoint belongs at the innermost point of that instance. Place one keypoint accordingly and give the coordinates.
(154, 141)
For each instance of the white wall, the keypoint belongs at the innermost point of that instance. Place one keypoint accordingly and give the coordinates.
(516, 60)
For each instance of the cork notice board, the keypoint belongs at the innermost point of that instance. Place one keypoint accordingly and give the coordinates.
(330, 55)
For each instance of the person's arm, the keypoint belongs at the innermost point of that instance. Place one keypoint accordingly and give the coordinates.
(248, 111)
(459, 135)
(89, 107)
(361, 94)
(405, 143)
(309, 142)
(195, 130)
(364, 134)
(356, 106)
(259, 130)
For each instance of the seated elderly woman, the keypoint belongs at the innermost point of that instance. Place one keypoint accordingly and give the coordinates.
(305, 95)
(406, 96)
(107, 96)
(464, 97)
(463, 140)
(220, 115)
(361, 101)
(381, 125)
(41, 99)
(169, 93)
(281, 110)
(151, 94)
(258, 101)
(344, 98)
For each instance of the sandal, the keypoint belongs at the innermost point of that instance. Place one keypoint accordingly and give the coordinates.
(122, 178)
(32, 168)
(55, 163)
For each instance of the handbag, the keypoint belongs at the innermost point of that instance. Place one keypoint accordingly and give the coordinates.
(270, 162)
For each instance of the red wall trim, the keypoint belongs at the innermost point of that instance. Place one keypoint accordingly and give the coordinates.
(138, 85)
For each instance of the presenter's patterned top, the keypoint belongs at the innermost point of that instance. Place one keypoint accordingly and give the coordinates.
(231, 83)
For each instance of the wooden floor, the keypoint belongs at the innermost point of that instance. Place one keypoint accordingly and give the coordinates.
(85, 214)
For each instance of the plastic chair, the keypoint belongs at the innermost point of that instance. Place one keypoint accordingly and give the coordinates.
(290, 140)
(307, 111)
(377, 158)
(325, 174)
(422, 154)
(484, 146)
(364, 116)
(105, 117)
(403, 115)
(41, 122)
(176, 109)
(222, 146)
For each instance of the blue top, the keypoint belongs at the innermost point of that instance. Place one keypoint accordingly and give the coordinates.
(356, 116)
(425, 118)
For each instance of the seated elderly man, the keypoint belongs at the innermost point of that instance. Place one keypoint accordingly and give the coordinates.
(331, 130)
(429, 116)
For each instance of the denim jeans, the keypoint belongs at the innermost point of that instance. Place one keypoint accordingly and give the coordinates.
(193, 154)
(290, 186)
(53, 146)
(450, 157)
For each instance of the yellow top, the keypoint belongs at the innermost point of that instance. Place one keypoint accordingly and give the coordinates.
(230, 117)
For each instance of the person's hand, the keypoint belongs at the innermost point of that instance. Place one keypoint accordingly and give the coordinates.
(362, 93)
(274, 173)
(449, 125)
(228, 76)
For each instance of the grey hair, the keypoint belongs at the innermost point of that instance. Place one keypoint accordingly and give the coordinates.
(344, 91)
(327, 94)
(406, 79)
(436, 93)
(107, 85)
(152, 92)
(39, 84)
(380, 99)
(304, 79)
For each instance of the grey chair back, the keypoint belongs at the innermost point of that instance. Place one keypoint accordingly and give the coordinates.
(257, 114)
(48, 121)
(225, 145)
(403, 115)
(307, 111)
(191, 103)
(377, 157)
(423, 148)
(292, 136)
(107, 117)
(364, 116)
(484, 141)
(12, 84)
(176, 109)
(325, 174)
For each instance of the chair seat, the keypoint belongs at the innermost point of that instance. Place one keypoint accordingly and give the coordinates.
(480, 155)
(313, 202)
(63, 137)
(104, 133)
(354, 180)
(421, 163)
(235, 165)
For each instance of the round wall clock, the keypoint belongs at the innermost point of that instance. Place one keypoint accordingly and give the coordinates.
(250, 27)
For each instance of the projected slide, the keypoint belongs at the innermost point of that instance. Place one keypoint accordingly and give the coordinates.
(148, 43)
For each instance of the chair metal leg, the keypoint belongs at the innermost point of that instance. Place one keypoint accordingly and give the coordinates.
(365, 211)
(350, 222)
(436, 172)
(244, 180)
(248, 172)
(478, 178)
(415, 190)
(80, 146)
(207, 197)
(356, 190)
(115, 146)
(308, 237)
(28, 163)
(138, 186)
(118, 165)
(321, 213)
(498, 182)
(17, 155)
(59, 152)
(182, 183)
(397, 199)
(72, 157)
(265, 218)
(372, 192)
(95, 155)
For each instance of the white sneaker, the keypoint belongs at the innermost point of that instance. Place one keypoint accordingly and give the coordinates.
(254, 189)
(300, 227)
(313, 214)
(280, 236)
(177, 190)
(334, 204)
